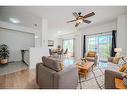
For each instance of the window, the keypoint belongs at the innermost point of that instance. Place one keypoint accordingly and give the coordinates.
(69, 44)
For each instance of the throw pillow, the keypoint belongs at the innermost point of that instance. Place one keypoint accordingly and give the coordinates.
(52, 64)
(116, 60)
(125, 59)
(123, 68)
(125, 71)
(59, 61)
(121, 62)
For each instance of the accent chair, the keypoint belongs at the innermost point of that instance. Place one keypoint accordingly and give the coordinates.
(92, 56)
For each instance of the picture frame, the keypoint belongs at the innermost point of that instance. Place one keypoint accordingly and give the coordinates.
(50, 43)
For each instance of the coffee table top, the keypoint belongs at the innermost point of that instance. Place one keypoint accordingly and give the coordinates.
(86, 65)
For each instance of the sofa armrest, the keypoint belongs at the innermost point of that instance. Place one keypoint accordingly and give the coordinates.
(44, 76)
(110, 78)
(67, 78)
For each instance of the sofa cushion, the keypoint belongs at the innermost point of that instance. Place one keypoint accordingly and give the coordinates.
(123, 68)
(58, 60)
(90, 58)
(125, 71)
(116, 60)
(112, 66)
(52, 64)
(121, 62)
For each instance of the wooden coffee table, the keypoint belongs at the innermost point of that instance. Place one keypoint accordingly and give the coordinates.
(85, 68)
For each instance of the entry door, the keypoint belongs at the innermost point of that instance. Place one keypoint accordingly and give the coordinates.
(69, 44)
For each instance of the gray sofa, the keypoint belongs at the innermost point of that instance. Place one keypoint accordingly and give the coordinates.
(114, 60)
(112, 72)
(110, 78)
(48, 78)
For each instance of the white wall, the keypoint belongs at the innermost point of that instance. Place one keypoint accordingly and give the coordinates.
(44, 40)
(35, 56)
(122, 33)
(19, 28)
(78, 44)
(19, 37)
(106, 27)
(16, 41)
(52, 35)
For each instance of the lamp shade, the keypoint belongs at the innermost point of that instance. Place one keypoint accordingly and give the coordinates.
(118, 49)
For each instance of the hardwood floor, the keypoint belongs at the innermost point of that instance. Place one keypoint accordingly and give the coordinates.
(24, 79)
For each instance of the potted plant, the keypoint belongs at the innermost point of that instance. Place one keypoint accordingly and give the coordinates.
(4, 54)
(83, 60)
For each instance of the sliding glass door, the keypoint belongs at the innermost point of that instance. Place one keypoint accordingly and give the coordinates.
(100, 43)
(69, 44)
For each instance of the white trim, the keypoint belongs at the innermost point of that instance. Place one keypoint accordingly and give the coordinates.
(7, 25)
(19, 28)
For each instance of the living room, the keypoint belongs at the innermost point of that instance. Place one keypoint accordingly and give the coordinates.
(30, 31)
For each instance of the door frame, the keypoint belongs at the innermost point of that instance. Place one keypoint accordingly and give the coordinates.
(96, 35)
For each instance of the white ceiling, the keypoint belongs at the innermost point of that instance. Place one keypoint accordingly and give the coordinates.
(57, 16)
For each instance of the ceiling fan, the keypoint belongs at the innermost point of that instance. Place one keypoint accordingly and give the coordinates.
(79, 18)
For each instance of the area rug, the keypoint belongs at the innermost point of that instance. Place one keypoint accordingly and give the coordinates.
(12, 67)
(94, 80)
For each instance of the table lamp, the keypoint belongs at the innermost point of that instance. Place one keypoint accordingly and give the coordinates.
(118, 51)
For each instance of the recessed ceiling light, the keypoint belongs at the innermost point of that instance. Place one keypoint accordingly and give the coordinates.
(59, 32)
(14, 20)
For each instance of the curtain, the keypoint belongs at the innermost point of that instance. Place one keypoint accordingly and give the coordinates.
(113, 43)
(84, 45)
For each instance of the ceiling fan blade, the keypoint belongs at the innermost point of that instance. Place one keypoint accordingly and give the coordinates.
(75, 14)
(89, 15)
(71, 21)
(87, 21)
(77, 24)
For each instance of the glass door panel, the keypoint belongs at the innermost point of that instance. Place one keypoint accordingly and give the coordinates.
(104, 46)
(92, 44)
(69, 44)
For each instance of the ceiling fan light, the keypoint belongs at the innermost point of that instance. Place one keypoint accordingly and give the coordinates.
(79, 21)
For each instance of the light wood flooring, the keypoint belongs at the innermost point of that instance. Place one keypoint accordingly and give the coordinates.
(24, 79)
